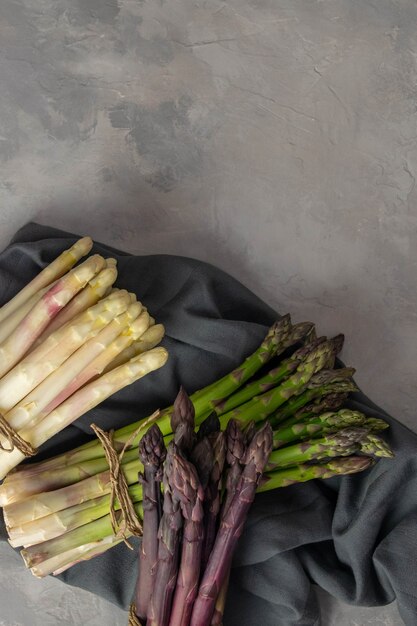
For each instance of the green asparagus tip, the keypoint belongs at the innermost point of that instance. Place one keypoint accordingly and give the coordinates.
(375, 446)
(325, 377)
(298, 332)
(374, 424)
(350, 465)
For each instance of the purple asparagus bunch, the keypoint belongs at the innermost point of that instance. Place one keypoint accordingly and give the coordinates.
(231, 526)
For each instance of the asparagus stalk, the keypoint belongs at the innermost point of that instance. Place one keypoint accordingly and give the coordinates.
(22, 489)
(59, 564)
(327, 423)
(270, 380)
(322, 424)
(219, 607)
(94, 531)
(212, 496)
(96, 367)
(236, 443)
(62, 382)
(83, 400)
(35, 367)
(13, 320)
(231, 527)
(183, 422)
(274, 343)
(29, 329)
(57, 524)
(304, 472)
(188, 491)
(374, 446)
(60, 522)
(341, 443)
(374, 424)
(168, 550)
(62, 264)
(260, 407)
(87, 297)
(329, 402)
(150, 339)
(152, 453)
(326, 382)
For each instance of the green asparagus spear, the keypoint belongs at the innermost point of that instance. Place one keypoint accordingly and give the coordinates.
(323, 383)
(260, 407)
(341, 443)
(304, 472)
(329, 402)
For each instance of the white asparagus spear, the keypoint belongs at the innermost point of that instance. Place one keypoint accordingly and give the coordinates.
(92, 292)
(37, 365)
(84, 400)
(10, 323)
(60, 266)
(29, 329)
(59, 385)
(151, 338)
(97, 366)
(58, 564)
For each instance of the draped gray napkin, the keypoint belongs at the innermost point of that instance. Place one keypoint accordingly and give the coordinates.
(354, 536)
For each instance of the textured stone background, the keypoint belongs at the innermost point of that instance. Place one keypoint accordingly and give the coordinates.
(274, 138)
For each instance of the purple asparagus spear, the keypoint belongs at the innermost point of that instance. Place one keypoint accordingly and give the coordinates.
(187, 488)
(168, 550)
(212, 495)
(152, 453)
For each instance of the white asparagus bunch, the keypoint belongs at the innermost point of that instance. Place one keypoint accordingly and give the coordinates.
(68, 340)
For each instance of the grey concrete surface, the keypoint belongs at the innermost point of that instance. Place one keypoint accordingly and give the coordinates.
(274, 138)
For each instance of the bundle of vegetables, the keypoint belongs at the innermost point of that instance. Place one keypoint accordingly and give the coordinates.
(68, 340)
(58, 510)
(188, 544)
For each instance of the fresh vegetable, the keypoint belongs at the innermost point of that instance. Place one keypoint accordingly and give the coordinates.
(58, 510)
(63, 343)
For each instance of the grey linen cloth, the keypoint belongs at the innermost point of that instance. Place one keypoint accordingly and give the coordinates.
(355, 536)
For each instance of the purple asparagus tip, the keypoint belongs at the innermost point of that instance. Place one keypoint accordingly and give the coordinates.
(152, 450)
(183, 410)
(260, 448)
(235, 442)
